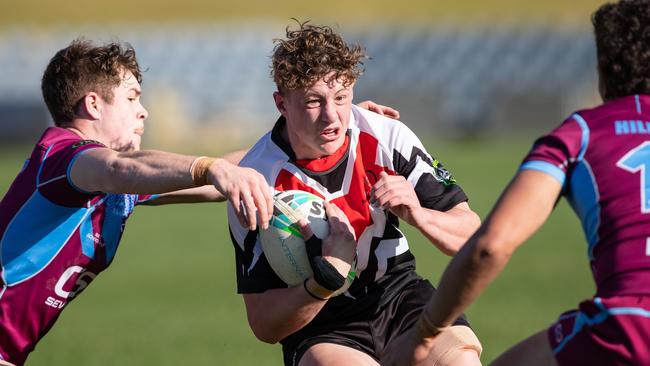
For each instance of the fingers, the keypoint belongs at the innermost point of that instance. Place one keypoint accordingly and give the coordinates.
(248, 210)
(249, 195)
(391, 191)
(305, 229)
(262, 206)
(379, 109)
(338, 221)
(386, 111)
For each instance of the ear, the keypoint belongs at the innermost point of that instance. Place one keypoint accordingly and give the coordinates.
(92, 105)
(280, 102)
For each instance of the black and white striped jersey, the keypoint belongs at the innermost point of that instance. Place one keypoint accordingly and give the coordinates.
(373, 144)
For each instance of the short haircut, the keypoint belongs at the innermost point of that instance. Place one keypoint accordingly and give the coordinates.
(310, 53)
(83, 67)
(622, 33)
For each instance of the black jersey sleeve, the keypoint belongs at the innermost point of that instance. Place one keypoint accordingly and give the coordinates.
(434, 185)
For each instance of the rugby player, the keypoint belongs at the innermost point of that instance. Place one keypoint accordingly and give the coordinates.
(598, 160)
(372, 171)
(62, 218)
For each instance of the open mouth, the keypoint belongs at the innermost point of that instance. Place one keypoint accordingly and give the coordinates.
(330, 134)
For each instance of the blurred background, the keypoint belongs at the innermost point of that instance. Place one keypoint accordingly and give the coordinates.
(476, 80)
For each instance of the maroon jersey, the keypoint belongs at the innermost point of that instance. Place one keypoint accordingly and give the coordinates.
(54, 240)
(599, 156)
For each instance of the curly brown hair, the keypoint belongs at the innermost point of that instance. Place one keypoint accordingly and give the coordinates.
(83, 67)
(310, 53)
(622, 33)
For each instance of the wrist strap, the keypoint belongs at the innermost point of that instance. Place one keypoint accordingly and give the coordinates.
(199, 170)
(324, 272)
(304, 284)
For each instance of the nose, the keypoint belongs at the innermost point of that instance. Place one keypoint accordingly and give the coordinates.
(143, 114)
(328, 113)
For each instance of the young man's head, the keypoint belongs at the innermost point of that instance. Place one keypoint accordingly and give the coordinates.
(315, 71)
(622, 33)
(100, 84)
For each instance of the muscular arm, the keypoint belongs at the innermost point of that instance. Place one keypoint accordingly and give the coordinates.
(277, 313)
(155, 172)
(198, 194)
(521, 210)
(447, 230)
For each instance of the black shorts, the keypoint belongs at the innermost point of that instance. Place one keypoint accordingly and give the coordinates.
(370, 331)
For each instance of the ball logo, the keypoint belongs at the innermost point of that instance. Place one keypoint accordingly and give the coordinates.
(283, 244)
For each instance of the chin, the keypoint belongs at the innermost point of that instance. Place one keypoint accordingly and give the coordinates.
(330, 148)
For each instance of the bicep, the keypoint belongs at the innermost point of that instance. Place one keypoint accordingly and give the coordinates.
(90, 171)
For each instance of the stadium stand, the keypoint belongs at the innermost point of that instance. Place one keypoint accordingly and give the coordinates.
(458, 79)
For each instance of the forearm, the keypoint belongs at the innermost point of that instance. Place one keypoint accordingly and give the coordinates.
(471, 270)
(447, 230)
(520, 211)
(137, 172)
(191, 195)
(277, 313)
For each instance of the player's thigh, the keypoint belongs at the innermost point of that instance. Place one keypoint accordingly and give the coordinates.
(533, 351)
(322, 354)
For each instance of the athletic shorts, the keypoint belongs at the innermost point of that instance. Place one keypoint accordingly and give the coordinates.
(367, 332)
(604, 331)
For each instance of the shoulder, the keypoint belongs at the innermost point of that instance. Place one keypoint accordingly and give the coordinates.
(56, 139)
(388, 132)
(264, 156)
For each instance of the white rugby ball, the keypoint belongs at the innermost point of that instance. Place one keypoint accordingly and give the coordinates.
(284, 245)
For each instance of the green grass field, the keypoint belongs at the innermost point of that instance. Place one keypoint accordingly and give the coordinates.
(169, 297)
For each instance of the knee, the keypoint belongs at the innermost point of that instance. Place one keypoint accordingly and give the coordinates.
(461, 357)
(456, 346)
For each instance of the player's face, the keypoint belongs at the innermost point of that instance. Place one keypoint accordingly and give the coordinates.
(122, 122)
(317, 117)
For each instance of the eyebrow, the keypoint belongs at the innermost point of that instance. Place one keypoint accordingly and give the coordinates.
(310, 94)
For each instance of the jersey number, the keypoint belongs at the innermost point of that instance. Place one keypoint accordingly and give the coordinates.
(636, 160)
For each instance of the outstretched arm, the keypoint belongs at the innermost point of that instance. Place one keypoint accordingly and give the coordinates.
(155, 172)
(521, 210)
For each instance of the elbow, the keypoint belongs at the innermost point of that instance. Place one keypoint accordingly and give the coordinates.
(263, 332)
(493, 246)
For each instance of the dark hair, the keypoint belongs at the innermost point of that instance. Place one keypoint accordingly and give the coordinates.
(310, 53)
(622, 33)
(83, 67)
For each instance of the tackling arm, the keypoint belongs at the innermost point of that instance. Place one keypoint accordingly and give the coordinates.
(521, 210)
(155, 172)
(199, 194)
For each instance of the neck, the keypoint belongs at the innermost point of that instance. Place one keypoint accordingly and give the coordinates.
(83, 129)
(76, 131)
